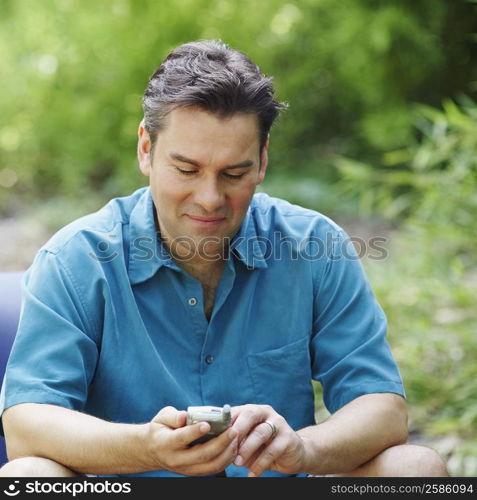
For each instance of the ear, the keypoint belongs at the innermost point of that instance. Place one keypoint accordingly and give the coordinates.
(263, 161)
(144, 150)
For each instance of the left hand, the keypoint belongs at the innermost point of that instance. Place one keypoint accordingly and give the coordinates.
(260, 448)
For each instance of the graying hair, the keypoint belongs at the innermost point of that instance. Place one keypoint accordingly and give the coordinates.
(215, 77)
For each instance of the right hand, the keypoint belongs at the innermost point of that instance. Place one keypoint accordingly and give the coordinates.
(168, 439)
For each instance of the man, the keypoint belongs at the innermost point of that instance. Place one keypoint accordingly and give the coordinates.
(196, 291)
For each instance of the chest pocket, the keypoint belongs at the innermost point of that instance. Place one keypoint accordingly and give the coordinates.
(281, 378)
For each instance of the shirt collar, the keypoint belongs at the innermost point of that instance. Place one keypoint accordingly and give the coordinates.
(248, 245)
(147, 254)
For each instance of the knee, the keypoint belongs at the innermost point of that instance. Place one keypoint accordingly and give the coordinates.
(25, 467)
(419, 461)
(34, 467)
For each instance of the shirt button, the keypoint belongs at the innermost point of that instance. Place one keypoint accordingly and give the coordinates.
(192, 301)
(209, 359)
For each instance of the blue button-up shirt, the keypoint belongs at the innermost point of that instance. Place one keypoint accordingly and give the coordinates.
(113, 327)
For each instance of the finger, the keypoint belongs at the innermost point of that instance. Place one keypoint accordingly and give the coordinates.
(252, 459)
(219, 462)
(201, 453)
(267, 456)
(261, 434)
(171, 417)
(248, 417)
(204, 452)
(186, 435)
(221, 440)
(235, 412)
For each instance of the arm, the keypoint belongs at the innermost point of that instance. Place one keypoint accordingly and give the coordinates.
(353, 435)
(87, 444)
(78, 441)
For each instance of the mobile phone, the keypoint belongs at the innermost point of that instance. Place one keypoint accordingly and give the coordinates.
(218, 418)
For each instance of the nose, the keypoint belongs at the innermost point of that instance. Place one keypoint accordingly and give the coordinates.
(209, 196)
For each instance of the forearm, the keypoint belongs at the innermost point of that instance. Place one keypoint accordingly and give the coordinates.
(81, 442)
(355, 434)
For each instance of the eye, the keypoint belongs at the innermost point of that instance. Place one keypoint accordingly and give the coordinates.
(236, 176)
(186, 172)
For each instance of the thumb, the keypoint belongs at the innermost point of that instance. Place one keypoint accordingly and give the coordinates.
(171, 417)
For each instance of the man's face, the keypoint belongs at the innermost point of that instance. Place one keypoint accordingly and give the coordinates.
(203, 173)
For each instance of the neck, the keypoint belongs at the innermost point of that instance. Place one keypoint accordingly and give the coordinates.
(207, 273)
(205, 265)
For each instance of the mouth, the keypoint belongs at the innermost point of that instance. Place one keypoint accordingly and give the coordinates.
(205, 221)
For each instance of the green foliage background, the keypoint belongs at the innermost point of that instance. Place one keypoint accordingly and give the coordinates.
(381, 126)
(73, 72)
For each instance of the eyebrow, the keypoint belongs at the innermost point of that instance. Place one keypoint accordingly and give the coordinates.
(183, 159)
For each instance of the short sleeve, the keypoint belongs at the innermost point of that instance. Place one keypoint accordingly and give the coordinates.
(350, 354)
(54, 354)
